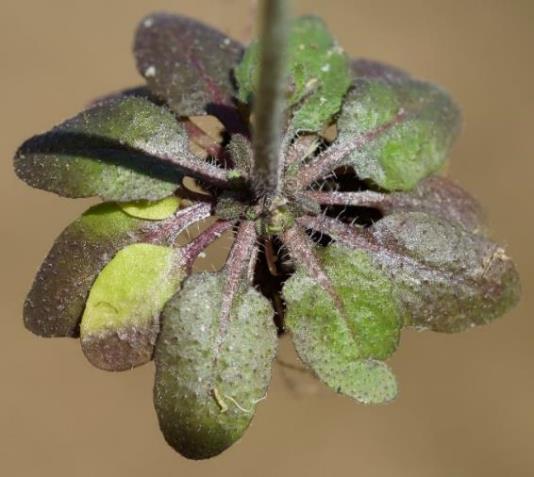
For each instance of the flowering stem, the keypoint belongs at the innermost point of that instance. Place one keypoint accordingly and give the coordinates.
(269, 101)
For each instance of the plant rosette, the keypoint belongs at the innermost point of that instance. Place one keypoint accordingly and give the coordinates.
(363, 237)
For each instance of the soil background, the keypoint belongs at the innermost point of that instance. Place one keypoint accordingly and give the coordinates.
(466, 403)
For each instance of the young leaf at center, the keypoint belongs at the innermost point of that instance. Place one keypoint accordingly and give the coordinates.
(319, 74)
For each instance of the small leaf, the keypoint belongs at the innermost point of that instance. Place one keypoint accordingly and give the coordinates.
(107, 151)
(240, 150)
(144, 209)
(401, 129)
(447, 278)
(121, 318)
(318, 74)
(56, 300)
(342, 329)
(186, 63)
(211, 368)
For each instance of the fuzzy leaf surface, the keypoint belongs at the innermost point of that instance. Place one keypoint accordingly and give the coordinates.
(449, 279)
(319, 74)
(343, 333)
(443, 198)
(120, 323)
(107, 151)
(55, 303)
(210, 375)
(370, 69)
(186, 63)
(401, 129)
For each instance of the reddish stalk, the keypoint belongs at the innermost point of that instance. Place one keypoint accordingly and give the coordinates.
(195, 248)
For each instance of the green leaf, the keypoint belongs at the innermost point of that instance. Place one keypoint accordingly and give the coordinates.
(447, 278)
(401, 130)
(186, 63)
(144, 209)
(56, 300)
(342, 333)
(319, 74)
(121, 319)
(108, 151)
(212, 368)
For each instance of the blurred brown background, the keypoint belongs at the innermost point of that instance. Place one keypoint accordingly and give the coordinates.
(466, 402)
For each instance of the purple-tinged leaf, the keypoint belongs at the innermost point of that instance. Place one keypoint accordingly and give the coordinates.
(364, 68)
(121, 320)
(186, 63)
(57, 298)
(141, 91)
(123, 149)
(435, 195)
(107, 151)
(447, 278)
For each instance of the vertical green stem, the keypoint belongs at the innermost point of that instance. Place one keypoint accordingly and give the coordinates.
(269, 102)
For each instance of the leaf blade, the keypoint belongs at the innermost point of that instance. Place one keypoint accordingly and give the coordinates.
(344, 319)
(186, 63)
(469, 280)
(402, 129)
(214, 354)
(206, 389)
(448, 278)
(120, 323)
(107, 151)
(56, 300)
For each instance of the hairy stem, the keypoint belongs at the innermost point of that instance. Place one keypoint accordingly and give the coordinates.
(212, 233)
(366, 198)
(269, 101)
(241, 259)
(349, 235)
(197, 168)
(328, 160)
(301, 251)
(167, 231)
